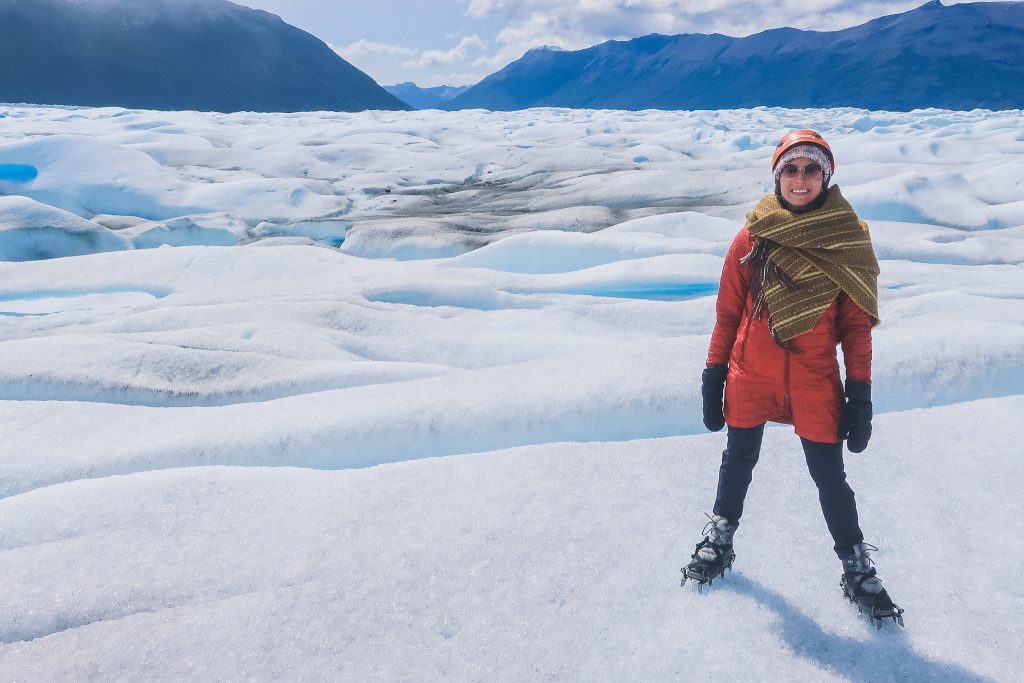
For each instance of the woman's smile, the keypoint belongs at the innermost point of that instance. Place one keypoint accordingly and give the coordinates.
(799, 190)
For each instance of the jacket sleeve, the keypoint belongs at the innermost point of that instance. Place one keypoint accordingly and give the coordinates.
(732, 298)
(855, 337)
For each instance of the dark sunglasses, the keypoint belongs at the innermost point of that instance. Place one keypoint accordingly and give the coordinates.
(810, 171)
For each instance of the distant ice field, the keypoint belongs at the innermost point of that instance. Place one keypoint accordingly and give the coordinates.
(437, 184)
(224, 339)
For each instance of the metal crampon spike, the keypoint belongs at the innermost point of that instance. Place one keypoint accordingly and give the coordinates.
(877, 619)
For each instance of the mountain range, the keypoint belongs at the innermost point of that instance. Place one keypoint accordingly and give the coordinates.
(425, 98)
(963, 56)
(220, 56)
(209, 55)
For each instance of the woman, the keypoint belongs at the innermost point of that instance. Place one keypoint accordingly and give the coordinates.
(798, 280)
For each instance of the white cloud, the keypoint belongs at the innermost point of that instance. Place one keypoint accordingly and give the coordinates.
(459, 53)
(388, 64)
(365, 48)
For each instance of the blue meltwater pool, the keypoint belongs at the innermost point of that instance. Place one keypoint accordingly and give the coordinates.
(657, 292)
(18, 173)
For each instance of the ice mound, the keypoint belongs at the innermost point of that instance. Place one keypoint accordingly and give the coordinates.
(30, 230)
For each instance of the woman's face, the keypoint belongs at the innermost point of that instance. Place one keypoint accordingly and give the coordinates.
(800, 181)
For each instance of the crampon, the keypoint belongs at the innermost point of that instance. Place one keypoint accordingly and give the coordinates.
(706, 570)
(877, 607)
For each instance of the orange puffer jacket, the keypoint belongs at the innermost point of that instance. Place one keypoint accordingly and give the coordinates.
(766, 382)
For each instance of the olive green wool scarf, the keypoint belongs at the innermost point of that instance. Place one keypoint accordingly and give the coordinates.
(801, 261)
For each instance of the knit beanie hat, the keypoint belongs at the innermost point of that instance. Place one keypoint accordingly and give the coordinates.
(812, 152)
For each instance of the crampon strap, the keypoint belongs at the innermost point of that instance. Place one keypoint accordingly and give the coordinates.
(857, 580)
(706, 543)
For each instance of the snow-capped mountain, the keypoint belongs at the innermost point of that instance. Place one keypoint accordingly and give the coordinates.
(173, 54)
(425, 98)
(963, 56)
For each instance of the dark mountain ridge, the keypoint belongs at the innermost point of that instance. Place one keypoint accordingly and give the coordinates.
(963, 56)
(209, 55)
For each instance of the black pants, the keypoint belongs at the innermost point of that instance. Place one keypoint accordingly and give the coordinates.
(825, 463)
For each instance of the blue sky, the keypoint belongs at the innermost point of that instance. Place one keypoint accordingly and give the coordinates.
(459, 42)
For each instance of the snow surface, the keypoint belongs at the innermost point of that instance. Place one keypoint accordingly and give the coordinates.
(466, 444)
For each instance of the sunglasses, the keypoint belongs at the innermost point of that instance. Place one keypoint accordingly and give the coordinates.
(810, 171)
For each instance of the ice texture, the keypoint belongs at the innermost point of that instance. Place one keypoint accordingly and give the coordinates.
(415, 396)
(411, 185)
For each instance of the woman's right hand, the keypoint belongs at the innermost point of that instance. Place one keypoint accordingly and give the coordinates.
(712, 389)
(855, 425)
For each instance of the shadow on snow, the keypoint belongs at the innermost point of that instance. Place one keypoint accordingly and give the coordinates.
(854, 659)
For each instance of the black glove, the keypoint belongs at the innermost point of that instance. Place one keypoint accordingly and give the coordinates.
(855, 425)
(712, 388)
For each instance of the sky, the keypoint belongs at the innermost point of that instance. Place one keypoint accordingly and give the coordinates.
(459, 42)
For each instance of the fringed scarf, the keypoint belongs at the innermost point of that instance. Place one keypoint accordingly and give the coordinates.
(801, 261)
